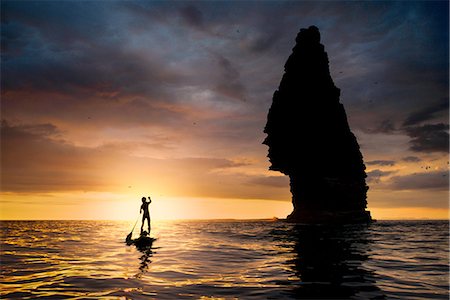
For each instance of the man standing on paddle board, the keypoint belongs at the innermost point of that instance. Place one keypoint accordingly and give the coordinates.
(146, 215)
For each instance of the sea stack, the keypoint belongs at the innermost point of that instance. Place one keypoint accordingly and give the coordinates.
(310, 140)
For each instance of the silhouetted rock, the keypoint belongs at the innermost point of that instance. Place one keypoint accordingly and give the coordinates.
(310, 140)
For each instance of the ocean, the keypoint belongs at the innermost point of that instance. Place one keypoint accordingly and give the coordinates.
(225, 259)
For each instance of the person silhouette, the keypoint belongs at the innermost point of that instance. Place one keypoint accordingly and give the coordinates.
(146, 215)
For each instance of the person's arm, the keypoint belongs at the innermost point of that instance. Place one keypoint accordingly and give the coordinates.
(140, 211)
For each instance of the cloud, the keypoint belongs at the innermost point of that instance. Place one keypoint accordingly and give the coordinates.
(192, 16)
(386, 126)
(93, 70)
(230, 84)
(429, 138)
(427, 113)
(32, 160)
(274, 181)
(263, 42)
(46, 130)
(411, 159)
(430, 181)
(383, 80)
(375, 176)
(75, 24)
(381, 162)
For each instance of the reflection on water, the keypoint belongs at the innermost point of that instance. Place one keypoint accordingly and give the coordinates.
(224, 259)
(147, 252)
(329, 261)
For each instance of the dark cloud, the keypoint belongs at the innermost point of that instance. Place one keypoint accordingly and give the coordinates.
(92, 113)
(429, 138)
(375, 176)
(271, 26)
(230, 83)
(69, 62)
(263, 42)
(431, 180)
(386, 126)
(70, 22)
(411, 159)
(381, 162)
(192, 16)
(91, 70)
(45, 130)
(427, 113)
(387, 76)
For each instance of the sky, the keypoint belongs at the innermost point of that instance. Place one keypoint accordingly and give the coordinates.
(103, 102)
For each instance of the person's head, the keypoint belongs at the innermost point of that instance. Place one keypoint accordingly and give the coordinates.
(143, 199)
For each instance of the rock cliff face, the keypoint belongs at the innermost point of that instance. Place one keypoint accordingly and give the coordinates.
(310, 140)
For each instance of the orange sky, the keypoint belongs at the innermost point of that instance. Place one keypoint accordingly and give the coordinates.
(107, 183)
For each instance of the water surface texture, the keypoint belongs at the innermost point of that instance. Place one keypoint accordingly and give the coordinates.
(224, 259)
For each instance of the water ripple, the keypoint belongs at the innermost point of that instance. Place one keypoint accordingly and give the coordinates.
(224, 259)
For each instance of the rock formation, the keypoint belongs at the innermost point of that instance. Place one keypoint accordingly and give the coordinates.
(310, 140)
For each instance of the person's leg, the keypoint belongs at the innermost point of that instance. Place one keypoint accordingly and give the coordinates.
(148, 221)
(142, 224)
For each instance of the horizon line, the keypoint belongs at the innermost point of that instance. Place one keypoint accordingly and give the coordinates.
(216, 219)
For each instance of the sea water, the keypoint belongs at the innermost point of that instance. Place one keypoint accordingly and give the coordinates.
(258, 259)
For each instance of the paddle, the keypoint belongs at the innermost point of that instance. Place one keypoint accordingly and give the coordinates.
(131, 233)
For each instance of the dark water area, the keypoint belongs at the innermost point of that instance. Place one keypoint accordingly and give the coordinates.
(225, 259)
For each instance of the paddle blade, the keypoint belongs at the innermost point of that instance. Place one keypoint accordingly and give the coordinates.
(128, 239)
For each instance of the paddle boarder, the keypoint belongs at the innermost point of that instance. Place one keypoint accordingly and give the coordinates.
(146, 215)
